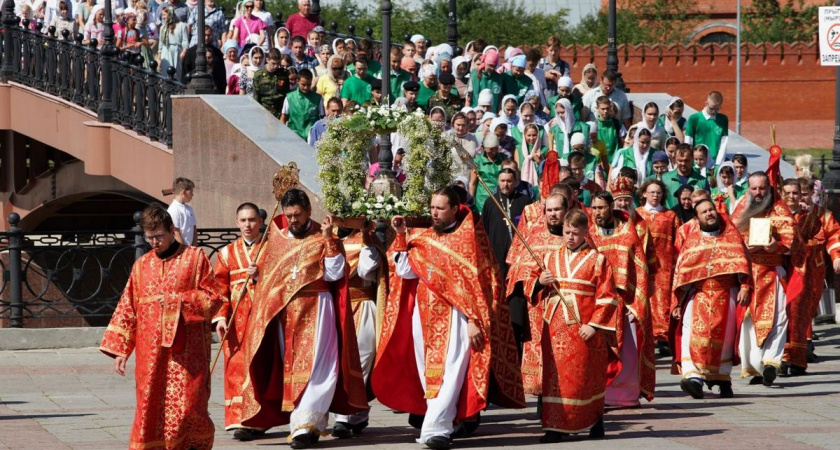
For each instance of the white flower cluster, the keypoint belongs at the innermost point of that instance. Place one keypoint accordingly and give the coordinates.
(378, 207)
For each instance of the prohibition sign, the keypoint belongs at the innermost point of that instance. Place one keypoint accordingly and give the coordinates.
(833, 37)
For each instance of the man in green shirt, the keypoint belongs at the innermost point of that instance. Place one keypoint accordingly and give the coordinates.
(445, 98)
(609, 128)
(398, 76)
(303, 107)
(516, 82)
(357, 88)
(710, 128)
(684, 174)
(489, 165)
(271, 84)
(485, 77)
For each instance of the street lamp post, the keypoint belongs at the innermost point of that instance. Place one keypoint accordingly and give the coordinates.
(201, 82)
(612, 48)
(386, 182)
(105, 111)
(452, 31)
(315, 8)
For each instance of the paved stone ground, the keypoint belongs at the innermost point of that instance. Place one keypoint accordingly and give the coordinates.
(70, 399)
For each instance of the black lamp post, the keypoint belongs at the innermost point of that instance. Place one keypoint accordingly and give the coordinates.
(200, 82)
(612, 48)
(315, 8)
(386, 182)
(452, 31)
(105, 111)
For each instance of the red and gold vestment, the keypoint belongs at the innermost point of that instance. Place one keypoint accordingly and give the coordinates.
(662, 227)
(164, 318)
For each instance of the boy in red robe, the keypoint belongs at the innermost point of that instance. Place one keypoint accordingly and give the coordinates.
(575, 335)
(164, 316)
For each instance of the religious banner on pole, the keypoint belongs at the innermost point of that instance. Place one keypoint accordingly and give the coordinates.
(829, 35)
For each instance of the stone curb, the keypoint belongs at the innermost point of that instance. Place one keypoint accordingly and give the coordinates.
(48, 338)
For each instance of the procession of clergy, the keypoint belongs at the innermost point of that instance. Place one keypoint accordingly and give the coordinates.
(318, 319)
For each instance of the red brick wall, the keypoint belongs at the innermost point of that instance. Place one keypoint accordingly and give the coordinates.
(779, 82)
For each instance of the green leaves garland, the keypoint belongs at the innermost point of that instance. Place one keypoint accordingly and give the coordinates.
(340, 156)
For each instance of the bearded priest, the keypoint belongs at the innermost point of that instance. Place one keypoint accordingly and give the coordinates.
(446, 313)
(300, 348)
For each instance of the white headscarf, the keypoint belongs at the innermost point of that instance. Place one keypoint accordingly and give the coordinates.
(496, 122)
(510, 120)
(669, 128)
(335, 47)
(286, 49)
(656, 131)
(93, 12)
(252, 69)
(566, 125)
(641, 160)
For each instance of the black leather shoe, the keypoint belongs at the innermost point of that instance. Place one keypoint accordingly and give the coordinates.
(756, 380)
(785, 372)
(439, 443)
(416, 420)
(552, 437)
(359, 427)
(597, 430)
(769, 375)
(796, 371)
(301, 441)
(342, 430)
(692, 387)
(242, 434)
(726, 389)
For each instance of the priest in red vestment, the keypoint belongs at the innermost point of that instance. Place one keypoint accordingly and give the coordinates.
(300, 345)
(575, 338)
(544, 236)
(712, 277)
(764, 326)
(446, 312)
(234, 263)
(819, 232)
(615, 236)
(368, 289)
(662, 225)
(164, 317)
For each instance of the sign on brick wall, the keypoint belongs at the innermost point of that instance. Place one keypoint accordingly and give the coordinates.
(829, 36)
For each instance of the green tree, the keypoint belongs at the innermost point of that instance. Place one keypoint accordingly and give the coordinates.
(769, 21)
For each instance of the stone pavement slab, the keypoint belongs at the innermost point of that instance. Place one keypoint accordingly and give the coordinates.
(70, 399)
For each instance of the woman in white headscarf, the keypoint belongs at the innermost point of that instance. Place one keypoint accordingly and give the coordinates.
(328, 84)
(282, 40)
(650, 116)
(636, 157)
(174, 39)
(94, 28)
(588, 80)
(236, 75)
(461, 70)
(338, 46)
(726, 190)
(561, 128)
(508, 113)
(527, 115)
(501, 128)
(672, 120)
(256, 58)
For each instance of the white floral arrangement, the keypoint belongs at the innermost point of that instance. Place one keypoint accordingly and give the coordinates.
(375, 207)
(341, 155)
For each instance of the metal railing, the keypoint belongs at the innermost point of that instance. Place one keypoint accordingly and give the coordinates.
(141, 100)
(50, 277)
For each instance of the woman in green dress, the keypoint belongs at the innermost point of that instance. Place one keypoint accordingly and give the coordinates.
(638, 156)
(530, 154)
(563, 126)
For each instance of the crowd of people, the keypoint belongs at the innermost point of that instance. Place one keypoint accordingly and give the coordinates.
(572, 249)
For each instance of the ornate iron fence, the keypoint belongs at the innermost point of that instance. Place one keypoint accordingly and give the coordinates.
(140, 99)
(50, 278)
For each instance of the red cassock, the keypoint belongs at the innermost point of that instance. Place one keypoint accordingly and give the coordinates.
(662, 227)
(289, 298)
(819, 232)
(763, 306)
(711, 267)
(457, 270)
(626, 257)
(231, 271)
(522, 265)
(164, 318)
(575, 371)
